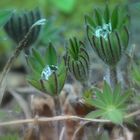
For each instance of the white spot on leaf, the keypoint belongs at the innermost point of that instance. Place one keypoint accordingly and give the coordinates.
(47, 71)
(103, 31)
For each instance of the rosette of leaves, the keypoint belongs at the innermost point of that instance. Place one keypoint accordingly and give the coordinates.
(110, 105)
(108, 33)
(78, 60)
(20, 23)
(47, 74)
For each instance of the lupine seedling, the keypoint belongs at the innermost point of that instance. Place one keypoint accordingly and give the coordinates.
(20, 23)
(23, 43)
(108, 35)
(78, 60)
(110, 104)
(48, 75)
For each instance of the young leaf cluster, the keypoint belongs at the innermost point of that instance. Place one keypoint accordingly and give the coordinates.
(108, 34)
(110, 104)
(47, 74)
(78, 59)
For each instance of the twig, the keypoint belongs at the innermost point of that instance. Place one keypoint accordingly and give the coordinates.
(46, 119)
(58, 112)
(132, 114)
(60, 118)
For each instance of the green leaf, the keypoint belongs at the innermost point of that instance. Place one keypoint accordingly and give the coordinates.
(124, 35)
(74, 48)
(62, 73)
(90, 21)
(4, 16)
(51, 56)
(35, 65)
(98, 17)
(116, 93)
(95, 114)
(96, 103)
(35, 84)
(124, 98)
(64, 5)
(116, 116)
(115, 18)
(38, 57)
(108, 93)
(107, 14)
(51, 85)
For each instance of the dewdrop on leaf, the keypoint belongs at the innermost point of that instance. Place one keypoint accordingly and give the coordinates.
(47, 71)
(103, 31)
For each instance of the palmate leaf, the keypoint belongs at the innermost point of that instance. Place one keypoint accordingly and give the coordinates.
(111, 105)
(109, 35)
(47, 74)
(115, 115)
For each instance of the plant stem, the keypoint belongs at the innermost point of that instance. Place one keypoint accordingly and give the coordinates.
(57, 106)
(7, 67)
(58, 112)
(113, 76)
(62, 118)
